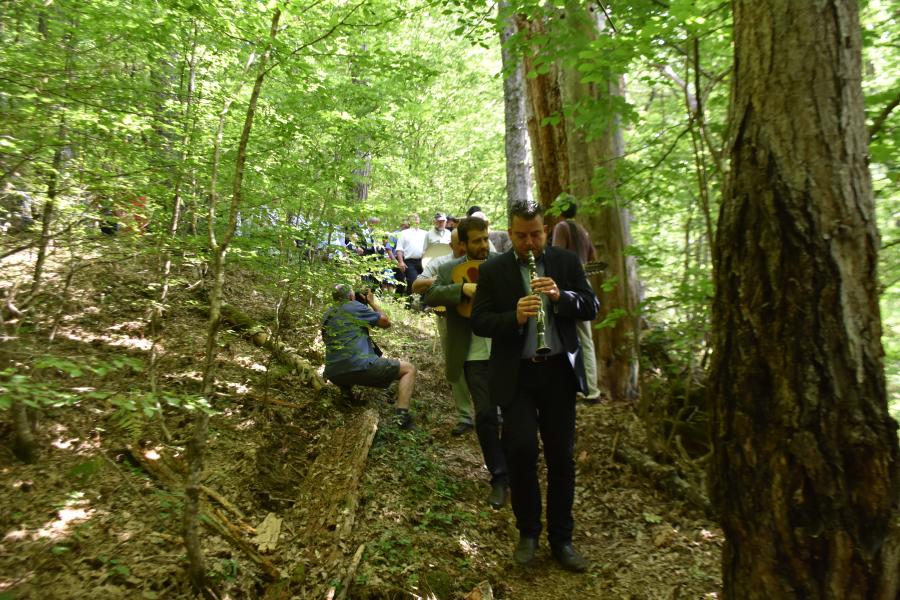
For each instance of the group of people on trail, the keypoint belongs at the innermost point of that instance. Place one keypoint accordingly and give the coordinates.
(405, 249)
(412, 243)
(515, 364)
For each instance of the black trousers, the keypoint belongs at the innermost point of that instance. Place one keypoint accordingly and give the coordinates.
(413, 269)
(544, 404)
(487, 423)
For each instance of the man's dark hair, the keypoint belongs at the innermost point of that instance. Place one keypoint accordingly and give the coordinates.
(570, 211)
(469, 224)
(341, 291)
(526, 210)
(472, 210)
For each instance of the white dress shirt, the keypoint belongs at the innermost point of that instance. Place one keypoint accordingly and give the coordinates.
(411, 242)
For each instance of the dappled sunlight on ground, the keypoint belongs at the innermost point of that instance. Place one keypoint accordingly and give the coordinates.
(75, 509)
(468, 548)
(250, 363)
(79, 334)
(422, 516)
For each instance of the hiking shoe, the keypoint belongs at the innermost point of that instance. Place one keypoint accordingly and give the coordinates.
(525, 550)
(461, 428)
(403, 419)
(499, 494)
(569, 558)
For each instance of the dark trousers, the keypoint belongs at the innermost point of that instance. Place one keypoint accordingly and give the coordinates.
(413, 268)
(544, 403)
(487, 423)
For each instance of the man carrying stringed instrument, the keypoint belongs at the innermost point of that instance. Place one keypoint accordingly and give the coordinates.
(461, 398)
(467, 354)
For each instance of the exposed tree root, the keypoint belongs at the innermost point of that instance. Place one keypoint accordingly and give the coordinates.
(665, 477)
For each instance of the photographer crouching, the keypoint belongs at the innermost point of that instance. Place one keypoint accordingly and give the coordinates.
(352, 358)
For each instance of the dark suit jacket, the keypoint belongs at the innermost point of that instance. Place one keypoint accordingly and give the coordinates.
(494, 315)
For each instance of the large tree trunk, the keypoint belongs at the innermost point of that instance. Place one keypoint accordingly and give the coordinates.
(806, 455)
(518, 165)
(546, 129)
(566, 162)
(616, 345)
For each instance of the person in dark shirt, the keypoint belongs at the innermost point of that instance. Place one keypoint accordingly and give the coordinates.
(352, 358)
(574, 237)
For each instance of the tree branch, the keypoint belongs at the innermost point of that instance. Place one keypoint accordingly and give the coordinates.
(319, 38)
(879, 121)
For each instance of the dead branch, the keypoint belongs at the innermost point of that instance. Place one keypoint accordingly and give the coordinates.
(234, 533)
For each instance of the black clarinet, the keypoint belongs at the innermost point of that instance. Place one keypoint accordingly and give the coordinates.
(542, 348)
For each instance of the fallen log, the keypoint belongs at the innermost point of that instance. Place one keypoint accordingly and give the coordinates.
(261, 337)
(325, 512)
(330, 491)
(351, 573)
(665, 477)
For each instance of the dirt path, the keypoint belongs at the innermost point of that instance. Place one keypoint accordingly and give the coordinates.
(430, 530)
(87, 521)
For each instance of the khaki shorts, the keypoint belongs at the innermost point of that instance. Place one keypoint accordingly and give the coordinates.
(380, 373)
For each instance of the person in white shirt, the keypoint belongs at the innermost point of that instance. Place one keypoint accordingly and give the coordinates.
(410, 247)
(440, 234)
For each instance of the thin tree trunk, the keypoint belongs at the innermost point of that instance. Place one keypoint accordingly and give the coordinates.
(23, 442)
(165, 253)
(807, 466)
(218, 249)
(518, 164)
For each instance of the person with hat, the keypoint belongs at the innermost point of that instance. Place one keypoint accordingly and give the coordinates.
(462, 399)
(439, 234)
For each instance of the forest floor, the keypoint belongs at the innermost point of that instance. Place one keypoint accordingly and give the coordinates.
(90, 520)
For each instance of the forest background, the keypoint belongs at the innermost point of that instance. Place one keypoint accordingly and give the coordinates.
(215, 130)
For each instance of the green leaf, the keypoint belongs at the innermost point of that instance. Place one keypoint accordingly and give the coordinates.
(86, 469)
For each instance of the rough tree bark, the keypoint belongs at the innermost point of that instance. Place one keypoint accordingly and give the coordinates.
(548, 141)
(806, 473)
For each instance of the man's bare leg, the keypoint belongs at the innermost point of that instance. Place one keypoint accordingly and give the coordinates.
(406, 382)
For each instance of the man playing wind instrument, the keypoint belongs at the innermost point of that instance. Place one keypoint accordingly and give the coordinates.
(536, 389)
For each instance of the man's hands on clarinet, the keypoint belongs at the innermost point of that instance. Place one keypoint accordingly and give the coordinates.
(529, 306)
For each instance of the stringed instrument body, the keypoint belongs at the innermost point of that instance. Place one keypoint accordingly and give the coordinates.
(466, 272)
